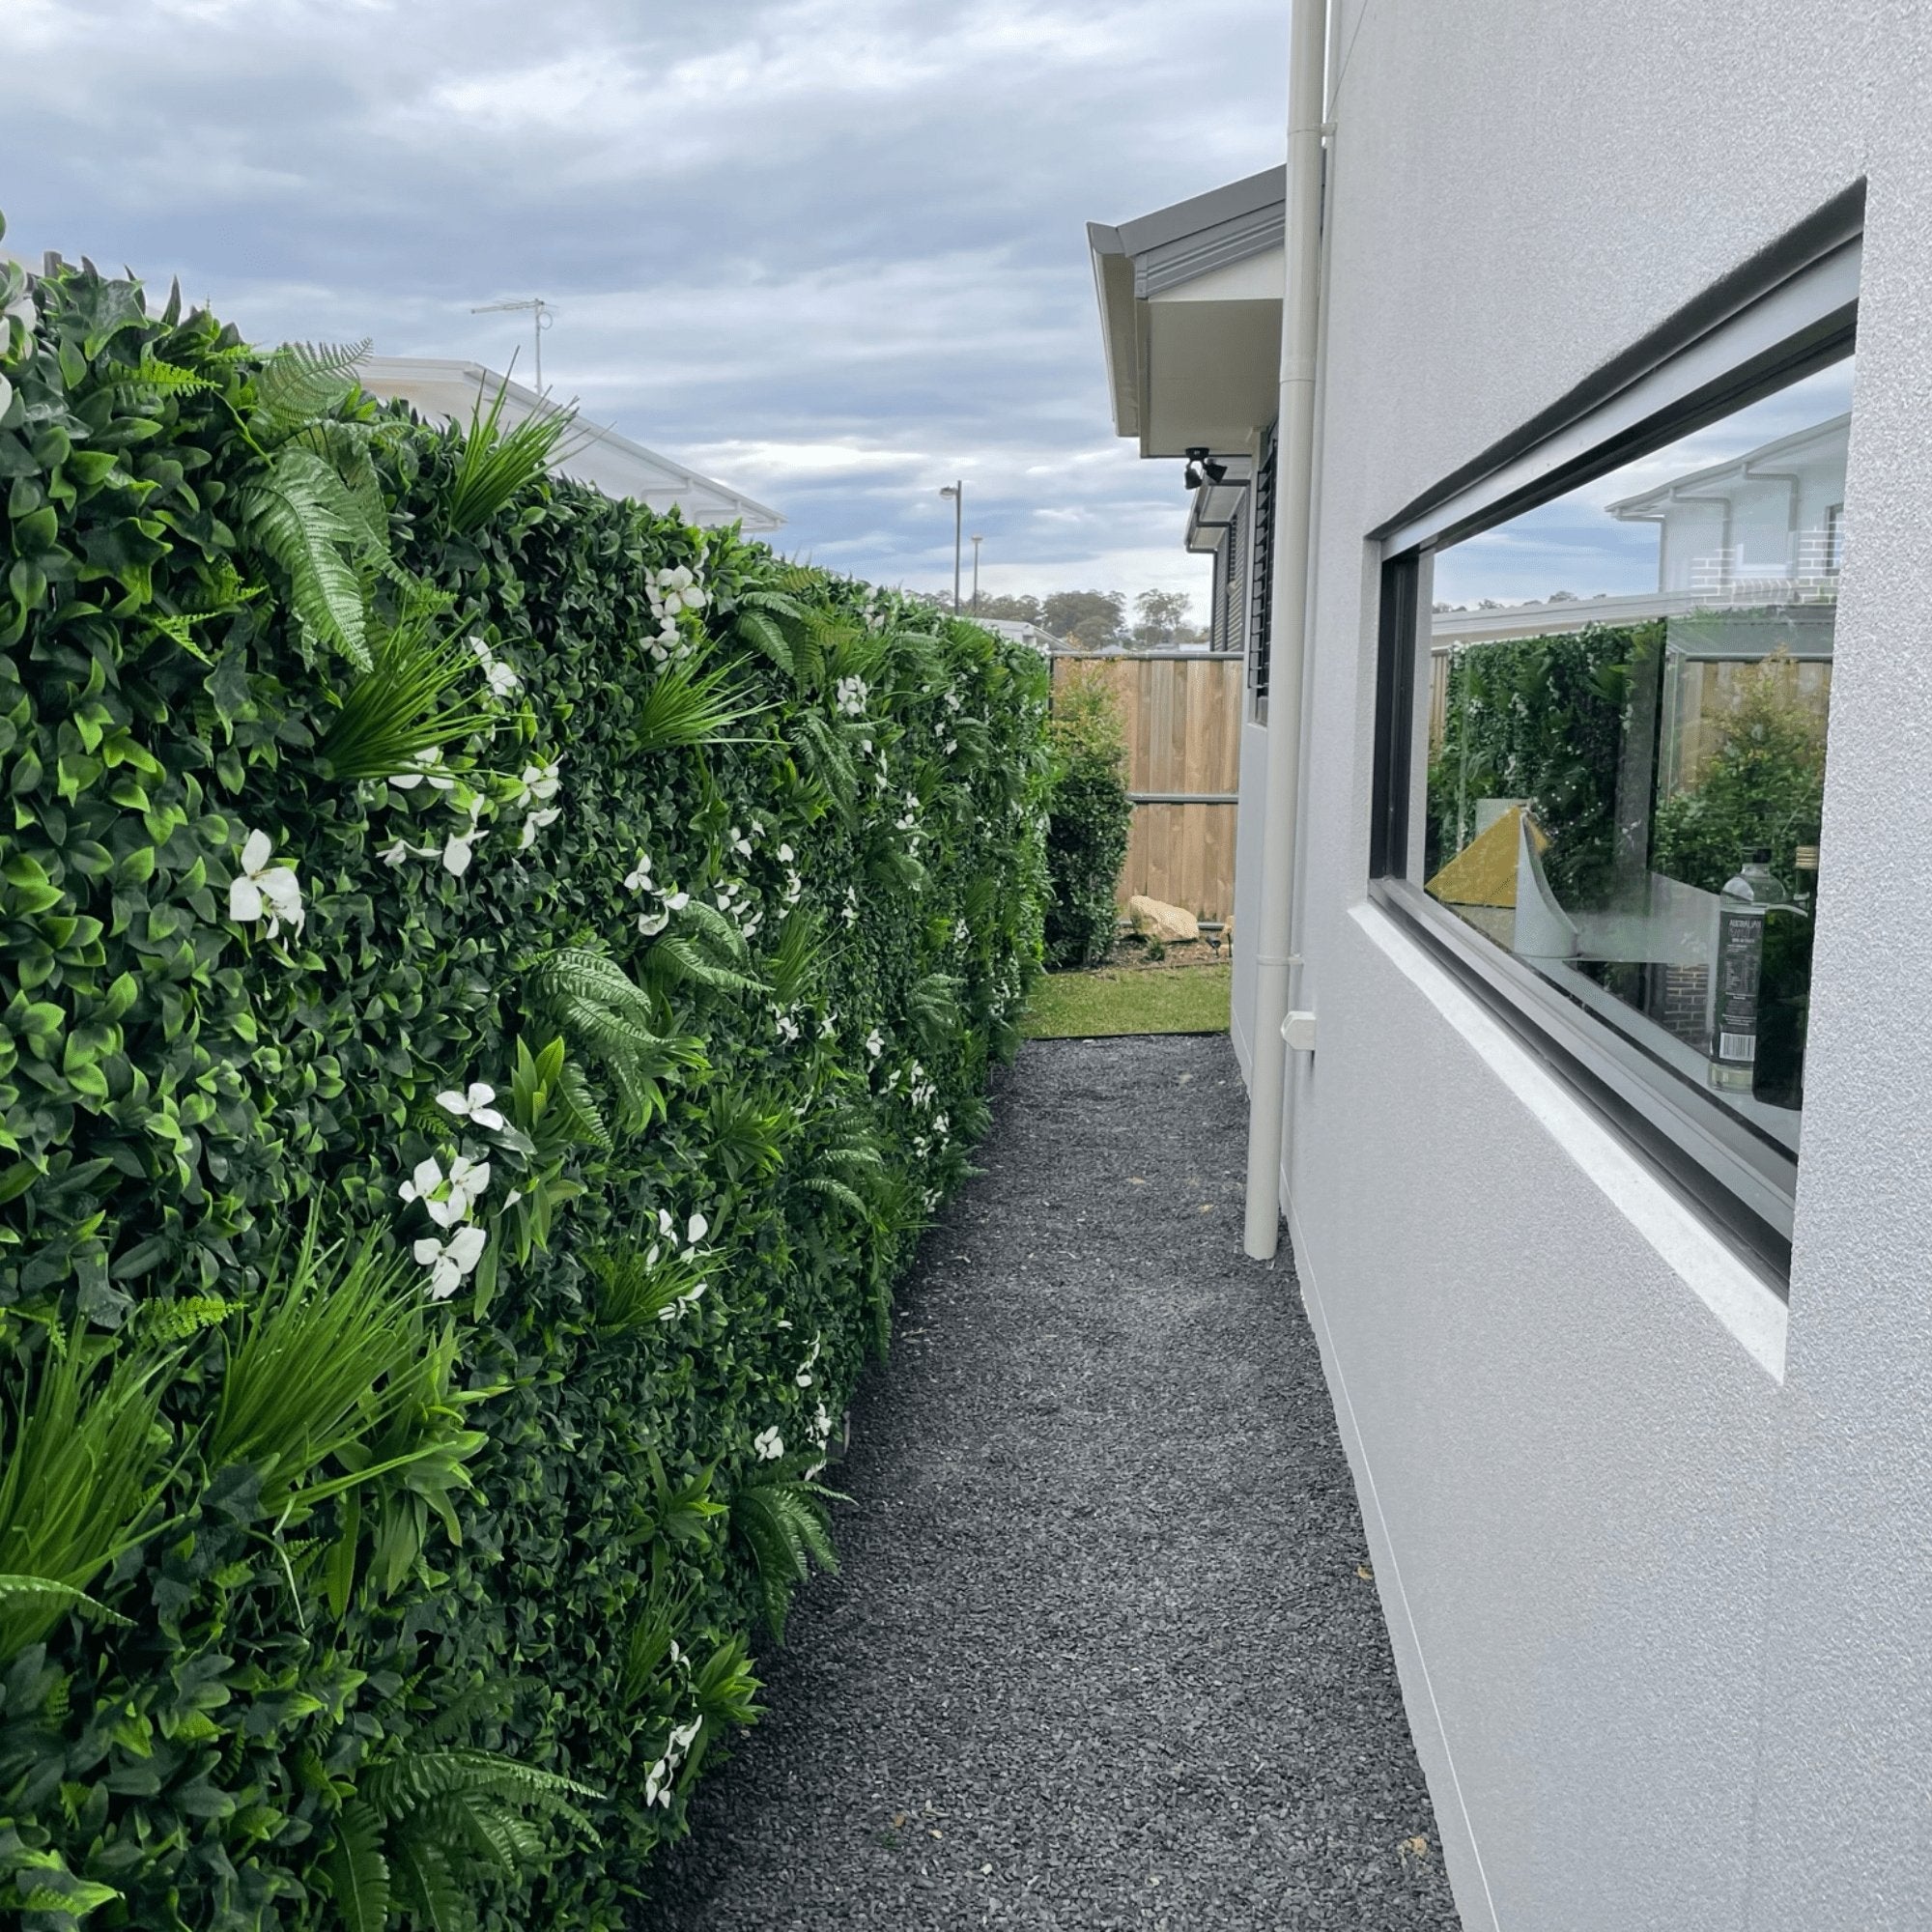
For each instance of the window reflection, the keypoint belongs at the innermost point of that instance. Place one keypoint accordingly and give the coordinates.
(1627, 767)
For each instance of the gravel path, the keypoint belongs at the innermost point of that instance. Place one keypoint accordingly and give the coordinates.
(1101, 1654)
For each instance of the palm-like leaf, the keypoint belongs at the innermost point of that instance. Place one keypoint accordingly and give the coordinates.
(687, 704)
(400, 708)
(82, 1467)
(493, 464)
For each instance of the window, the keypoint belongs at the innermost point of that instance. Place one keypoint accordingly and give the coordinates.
(1261, 580)
(1601, 720)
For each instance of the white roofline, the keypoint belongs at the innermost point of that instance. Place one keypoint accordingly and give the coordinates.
(396, 376)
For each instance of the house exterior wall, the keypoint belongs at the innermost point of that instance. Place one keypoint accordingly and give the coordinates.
(1654, 1568)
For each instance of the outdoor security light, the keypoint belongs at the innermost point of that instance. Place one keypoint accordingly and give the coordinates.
(1203, 469)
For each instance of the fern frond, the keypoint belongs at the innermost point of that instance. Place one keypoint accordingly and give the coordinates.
(302, 380)
(356, 1871)
(299, 512)
(153, 377)
(833, 1189)
(36, 1592)
(167, 1322)
(579, 1117)
(758, 630)
(674, 962)
(784, 1525)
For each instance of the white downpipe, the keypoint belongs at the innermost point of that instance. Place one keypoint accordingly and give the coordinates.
(1295, 465)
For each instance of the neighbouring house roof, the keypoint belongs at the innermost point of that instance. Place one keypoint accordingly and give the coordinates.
(1021, 631)
(1832, 436)
(435, 386)
(1190, 312)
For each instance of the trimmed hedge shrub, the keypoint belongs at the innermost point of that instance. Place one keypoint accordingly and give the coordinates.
(496, 981)
(1087, 818)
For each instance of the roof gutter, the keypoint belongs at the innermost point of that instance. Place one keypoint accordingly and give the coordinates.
(1295, 493)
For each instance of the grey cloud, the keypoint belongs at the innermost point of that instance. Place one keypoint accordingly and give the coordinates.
(842, 239)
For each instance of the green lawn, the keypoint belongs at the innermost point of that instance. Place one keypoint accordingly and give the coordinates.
(1134, 999)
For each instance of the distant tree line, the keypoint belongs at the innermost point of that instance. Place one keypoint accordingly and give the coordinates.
(1098, 619)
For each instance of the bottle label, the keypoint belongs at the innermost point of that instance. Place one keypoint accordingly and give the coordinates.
(1740, 960)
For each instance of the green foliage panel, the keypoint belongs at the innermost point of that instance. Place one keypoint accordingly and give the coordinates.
(1089, 819)
(495, 981)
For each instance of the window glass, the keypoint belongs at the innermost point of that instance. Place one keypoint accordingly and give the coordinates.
(1628, 702)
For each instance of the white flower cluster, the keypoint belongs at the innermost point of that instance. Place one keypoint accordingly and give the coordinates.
(450, 1200)
(734, 899)
(786, 1022)
(673, 590)
(640, 880)
(769, 1445)
(908, 822)
(851, 693)
(499, 673)
(531, 794)
(661, 1777)
(266, 887)
(695, 1228)
(850, 911)
(875, 1043)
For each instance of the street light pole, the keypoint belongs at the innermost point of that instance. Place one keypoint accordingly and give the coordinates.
(976, 542)
(958, 491)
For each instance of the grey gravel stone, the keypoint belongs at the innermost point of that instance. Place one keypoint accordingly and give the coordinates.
(1100, 1654)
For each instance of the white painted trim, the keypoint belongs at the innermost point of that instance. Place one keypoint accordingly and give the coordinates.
(1405, 1637)
(1735, 1293)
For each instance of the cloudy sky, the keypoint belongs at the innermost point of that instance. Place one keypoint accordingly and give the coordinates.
(831, 250)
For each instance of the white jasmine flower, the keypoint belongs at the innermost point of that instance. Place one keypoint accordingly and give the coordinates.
(851, 694)
(502, 677)
(265, 886)
(396, 855)
(785, 855)
(738, 842)
(426, 1180)
(473, 1106)
(534, 822)
(468, 1181)
(638, 878)
(770, 1445)
(651, 924)
(459, 847)
(427, 770)
(448, 1261)
(541, 781)
(875, 1043)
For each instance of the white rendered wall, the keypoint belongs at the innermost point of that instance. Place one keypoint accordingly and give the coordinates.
(1664, 1622)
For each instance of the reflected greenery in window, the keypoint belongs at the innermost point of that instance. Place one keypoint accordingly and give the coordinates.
(1625, 773)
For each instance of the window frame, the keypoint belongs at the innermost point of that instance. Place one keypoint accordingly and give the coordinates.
(1790, 312)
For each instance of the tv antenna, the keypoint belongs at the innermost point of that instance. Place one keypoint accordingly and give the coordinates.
(541, 314)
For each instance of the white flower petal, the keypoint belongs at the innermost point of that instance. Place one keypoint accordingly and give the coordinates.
(245, 901)
(256, 851)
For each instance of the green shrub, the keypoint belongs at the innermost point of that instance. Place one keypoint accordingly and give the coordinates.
(1088, 819)
(496, 981)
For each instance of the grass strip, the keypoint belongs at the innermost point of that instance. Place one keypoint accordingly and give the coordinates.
(1124, 1000)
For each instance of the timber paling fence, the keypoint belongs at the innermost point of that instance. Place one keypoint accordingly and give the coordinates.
(1181, 713)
